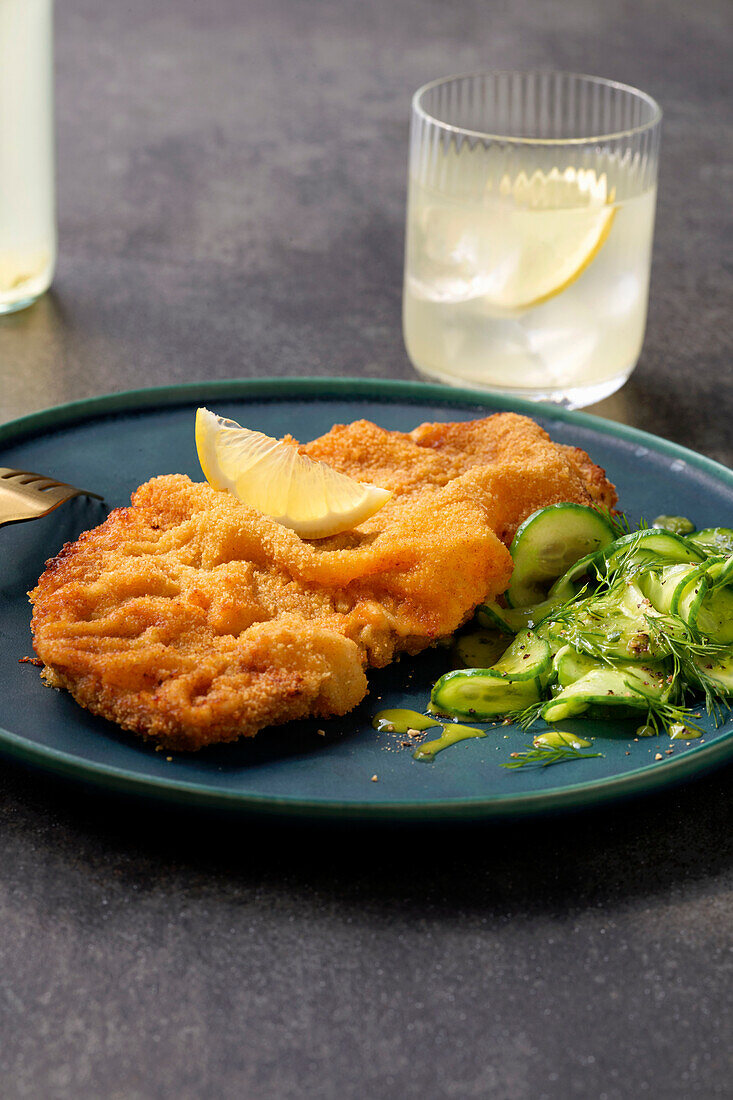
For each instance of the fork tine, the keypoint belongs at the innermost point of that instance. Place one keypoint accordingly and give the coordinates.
(73, 490)
(16, 475)
(25, 495)
(57, 493)
(28, 477)
(40, 484)
(25, 477)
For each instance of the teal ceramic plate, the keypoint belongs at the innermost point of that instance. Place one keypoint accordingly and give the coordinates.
(114, 443)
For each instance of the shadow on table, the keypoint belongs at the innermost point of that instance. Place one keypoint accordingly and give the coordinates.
(641, 847)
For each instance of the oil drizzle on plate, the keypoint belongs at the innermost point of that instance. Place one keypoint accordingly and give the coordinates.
(686, 733)
(451, 735)
(400, 721)
(560, 739)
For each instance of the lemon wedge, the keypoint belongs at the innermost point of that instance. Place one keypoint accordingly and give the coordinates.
(552, 227)
(311, 498)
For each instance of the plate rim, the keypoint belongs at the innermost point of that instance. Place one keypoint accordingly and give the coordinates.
(697, 760)
(69, 412)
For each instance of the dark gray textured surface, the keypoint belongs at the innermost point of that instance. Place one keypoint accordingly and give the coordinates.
(231, 204)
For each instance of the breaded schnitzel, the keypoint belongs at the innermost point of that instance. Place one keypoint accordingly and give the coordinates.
(193, 619)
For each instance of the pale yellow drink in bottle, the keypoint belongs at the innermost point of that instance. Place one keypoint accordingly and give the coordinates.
(27, 219)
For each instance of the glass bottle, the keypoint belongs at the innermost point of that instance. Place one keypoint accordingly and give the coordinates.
(27, 206)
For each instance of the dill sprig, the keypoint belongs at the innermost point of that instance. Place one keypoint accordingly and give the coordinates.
(527, 717)
(543, 756)
(604, 621)
(586, 641)
(620, 523)
(672, 632)
(617, 521)
(573, 622)
(661, 715)
(623, 568)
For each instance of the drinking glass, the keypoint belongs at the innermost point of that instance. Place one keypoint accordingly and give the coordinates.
(27, 215)
(530, 218)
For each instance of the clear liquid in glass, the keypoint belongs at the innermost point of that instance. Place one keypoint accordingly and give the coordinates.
(533, 283)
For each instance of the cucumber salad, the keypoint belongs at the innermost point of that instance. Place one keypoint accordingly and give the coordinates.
(601, 621)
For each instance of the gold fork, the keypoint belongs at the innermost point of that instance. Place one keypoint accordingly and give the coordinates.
(24, 495)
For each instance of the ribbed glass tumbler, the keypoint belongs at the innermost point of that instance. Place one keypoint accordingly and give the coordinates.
(530, 218)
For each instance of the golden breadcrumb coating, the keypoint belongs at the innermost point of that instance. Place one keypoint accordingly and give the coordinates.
(193, 619)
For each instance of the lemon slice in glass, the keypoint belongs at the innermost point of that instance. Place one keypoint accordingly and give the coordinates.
(311, 498)
(547, 229)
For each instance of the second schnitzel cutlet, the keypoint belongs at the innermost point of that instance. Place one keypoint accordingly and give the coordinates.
(192, 619)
